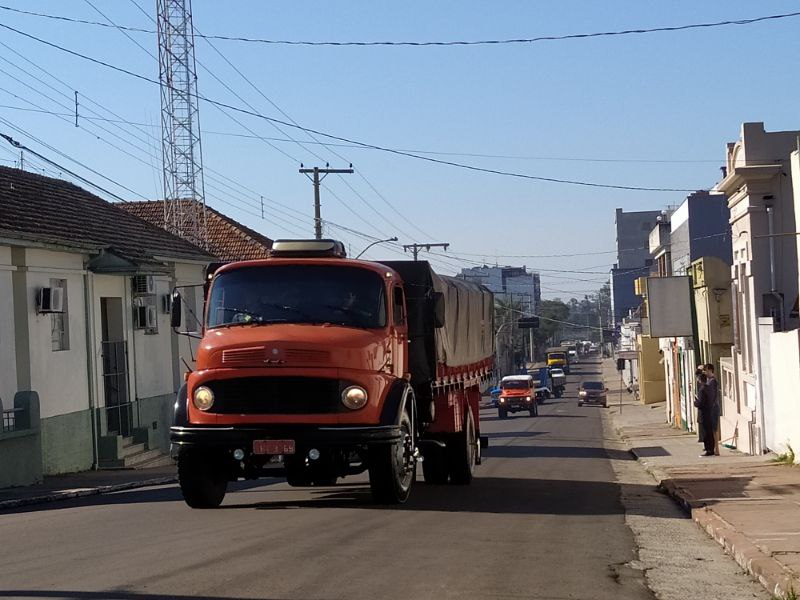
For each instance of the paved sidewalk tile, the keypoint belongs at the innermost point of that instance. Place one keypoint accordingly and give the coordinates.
(749, 504)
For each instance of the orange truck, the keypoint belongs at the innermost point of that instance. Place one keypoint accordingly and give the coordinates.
(315, 367)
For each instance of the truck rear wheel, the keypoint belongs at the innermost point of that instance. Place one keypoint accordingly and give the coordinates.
(462, 452)
(203, 483)
(392, 467)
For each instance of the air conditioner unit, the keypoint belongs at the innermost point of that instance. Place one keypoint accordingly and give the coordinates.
(166, 304)
(151, 317)
(50, 300)
(140, 317)
(144, 284)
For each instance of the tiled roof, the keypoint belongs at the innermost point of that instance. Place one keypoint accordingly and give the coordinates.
(52, 211)
(227, 239)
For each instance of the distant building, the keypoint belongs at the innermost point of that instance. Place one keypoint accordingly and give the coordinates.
(633, 258)
(509, 283)
(227, 239)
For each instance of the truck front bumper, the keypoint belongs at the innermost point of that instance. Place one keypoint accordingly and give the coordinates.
(304, 437)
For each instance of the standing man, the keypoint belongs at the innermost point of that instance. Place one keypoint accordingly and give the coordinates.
(704, 402)
(713, 392)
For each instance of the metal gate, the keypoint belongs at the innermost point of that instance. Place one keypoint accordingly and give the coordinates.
(118, 407)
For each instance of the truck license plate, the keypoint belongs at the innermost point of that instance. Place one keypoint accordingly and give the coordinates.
(273, 446)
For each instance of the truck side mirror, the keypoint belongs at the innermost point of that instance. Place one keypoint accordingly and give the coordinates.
(438, 309)
(176, 308)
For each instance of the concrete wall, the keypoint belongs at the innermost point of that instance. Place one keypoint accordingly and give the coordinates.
(59, 377)
(623, 298)
(783, 419)
(651, 372)
(8, 359)
(700, 228)
(632, 236)
(67, 443)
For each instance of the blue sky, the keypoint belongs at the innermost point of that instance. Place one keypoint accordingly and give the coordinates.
(657, 97)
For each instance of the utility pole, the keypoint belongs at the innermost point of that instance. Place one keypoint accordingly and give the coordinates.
(415, 248)
(314, 175)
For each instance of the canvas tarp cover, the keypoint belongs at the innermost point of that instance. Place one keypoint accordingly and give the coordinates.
(468, 334)
(467, 306)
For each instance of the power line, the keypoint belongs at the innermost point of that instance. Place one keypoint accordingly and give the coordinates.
(376, 147)
(496, 42)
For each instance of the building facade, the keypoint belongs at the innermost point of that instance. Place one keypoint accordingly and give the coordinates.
(632, 258)
(758, 183)
(509, 284)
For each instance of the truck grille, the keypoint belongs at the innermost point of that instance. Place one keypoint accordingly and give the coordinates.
(276, 395)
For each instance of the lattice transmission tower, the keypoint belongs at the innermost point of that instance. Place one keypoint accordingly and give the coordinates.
(184, 192)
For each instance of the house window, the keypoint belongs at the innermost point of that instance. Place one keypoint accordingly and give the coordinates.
(59, 322)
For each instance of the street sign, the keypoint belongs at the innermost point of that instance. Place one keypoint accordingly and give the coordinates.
(528, 323)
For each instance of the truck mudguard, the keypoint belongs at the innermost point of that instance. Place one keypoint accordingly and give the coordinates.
(180, 417)
(394, 399)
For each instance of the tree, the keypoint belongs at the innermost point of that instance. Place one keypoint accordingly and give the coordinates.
(552, 314)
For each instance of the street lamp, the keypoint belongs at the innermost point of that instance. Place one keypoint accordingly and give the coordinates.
(391, 239)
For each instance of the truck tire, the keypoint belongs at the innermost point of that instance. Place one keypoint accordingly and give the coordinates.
(203, 484)
(462, 453)
(502, 413)
(559, 393)
(434, 467)
(390, 476)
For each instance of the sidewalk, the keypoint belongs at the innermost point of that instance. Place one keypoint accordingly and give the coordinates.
(749, 504)
(87, 483)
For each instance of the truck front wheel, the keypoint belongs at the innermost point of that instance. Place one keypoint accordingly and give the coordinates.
(203, 483)
(392, 467)
(462, 452)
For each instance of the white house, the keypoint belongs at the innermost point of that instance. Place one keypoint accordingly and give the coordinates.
(84, 303)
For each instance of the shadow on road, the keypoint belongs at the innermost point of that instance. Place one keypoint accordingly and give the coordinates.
(106, 595)
(491, 495)
(165, 493)
(517, 451)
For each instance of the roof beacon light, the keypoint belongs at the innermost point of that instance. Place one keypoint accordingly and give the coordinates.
(308, 249)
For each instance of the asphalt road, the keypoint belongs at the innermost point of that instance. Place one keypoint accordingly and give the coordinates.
(543, 519)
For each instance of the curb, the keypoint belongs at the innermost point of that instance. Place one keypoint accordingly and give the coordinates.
(770, 573)
(82, 492)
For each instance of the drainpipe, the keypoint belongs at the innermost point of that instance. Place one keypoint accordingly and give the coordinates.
(772, 287)
(87, 306)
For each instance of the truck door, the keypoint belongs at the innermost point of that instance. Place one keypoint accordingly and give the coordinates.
(399, 332)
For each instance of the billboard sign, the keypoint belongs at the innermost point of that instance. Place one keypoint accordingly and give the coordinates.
(669, 307)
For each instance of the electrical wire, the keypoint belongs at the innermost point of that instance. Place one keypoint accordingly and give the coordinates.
(490, 42)
(366, 145)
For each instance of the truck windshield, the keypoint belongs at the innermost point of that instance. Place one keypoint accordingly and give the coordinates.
(556, 356)
(340, 295)
(592, 385)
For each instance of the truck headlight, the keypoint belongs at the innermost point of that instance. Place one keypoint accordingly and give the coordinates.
(354, 397)
(527, 398)
(203, 398)
(581, 393)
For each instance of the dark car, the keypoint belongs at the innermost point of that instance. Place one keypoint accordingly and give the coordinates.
(592, 392)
